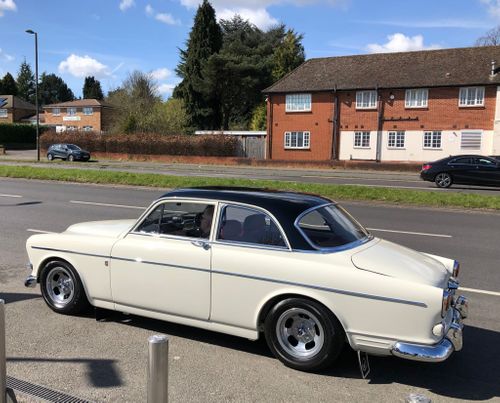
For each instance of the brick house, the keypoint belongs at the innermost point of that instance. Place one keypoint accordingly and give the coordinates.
(14, 109)
(408, 106)
(81, 115)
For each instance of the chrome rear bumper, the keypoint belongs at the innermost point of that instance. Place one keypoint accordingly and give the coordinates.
(453, 341)
(30, 281)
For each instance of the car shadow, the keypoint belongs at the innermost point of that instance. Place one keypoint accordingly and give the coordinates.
(471, 374)
(11, 297)
(30, 203)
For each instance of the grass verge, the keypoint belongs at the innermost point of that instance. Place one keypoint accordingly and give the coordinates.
(336, 192)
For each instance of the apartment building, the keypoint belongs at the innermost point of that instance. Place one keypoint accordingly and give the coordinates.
(408, 106)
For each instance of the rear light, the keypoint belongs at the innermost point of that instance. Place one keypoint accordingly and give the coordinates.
(426, 167)
(456, 269)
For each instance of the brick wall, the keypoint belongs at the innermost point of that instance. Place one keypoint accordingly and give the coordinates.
(93, 120)
(442, 113)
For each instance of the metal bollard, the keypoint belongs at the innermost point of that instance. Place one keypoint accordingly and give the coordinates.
(3, 365)
(158, 369)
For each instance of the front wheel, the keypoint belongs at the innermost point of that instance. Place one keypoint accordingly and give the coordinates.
(62, 288)
(303, 334)
(443, 180)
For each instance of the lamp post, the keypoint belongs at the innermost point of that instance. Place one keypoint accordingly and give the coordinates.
(31, 32)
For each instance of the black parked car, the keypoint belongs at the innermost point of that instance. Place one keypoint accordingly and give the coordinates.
(68, 152)
(462, 169)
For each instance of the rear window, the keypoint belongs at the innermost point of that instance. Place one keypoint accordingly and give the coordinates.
(331, 226)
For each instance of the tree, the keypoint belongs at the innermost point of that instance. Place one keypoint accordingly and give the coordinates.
(259, 118)
(92, 89)
(288, 55)
(52, 89)
(205, 40)
(8, 85)
(492, 37)
(26, 83)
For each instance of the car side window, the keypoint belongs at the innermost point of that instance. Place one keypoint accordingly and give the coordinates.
(462, 161)
(193, 220)
(485, 162)
(250, 226)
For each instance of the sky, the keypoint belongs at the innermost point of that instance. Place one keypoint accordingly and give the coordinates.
(111, 38)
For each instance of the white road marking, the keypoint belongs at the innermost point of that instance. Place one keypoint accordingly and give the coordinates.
(411, 233)
(7, 195)
(494, 293)
(106, 204)
(39, 231)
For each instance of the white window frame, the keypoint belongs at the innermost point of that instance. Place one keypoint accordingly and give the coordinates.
(466, 99)
(292, 144)
(4, 113)
(71, 111)
(416, 98)
(433, 136)
(366, 99)
(298, 103)
(88, 111)
(364, 137)
(87, 128)
(396, 137)
(56, 111)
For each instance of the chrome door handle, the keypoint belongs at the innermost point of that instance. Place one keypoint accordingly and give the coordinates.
(201, 244)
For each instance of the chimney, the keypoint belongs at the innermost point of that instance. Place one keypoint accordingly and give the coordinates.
(493, 68)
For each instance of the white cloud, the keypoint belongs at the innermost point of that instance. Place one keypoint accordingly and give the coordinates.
(400, 43)
(149, 10)
(166, 89)
(83, 66)
(259, 17)
(161, 74)
(7, 5)
(6, 56)
(167, 19)
(493, 7)
(126, 4)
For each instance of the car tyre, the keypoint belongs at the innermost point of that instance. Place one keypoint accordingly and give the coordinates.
(443, 180)
(303, 334)
(62, 288)
(50, 157)
(71, 158)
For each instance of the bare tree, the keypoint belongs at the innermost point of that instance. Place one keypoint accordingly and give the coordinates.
(492, 37)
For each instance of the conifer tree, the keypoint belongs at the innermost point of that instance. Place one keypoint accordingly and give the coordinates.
(26, 83)
(8, 85)
(52, 89)
(92, 89)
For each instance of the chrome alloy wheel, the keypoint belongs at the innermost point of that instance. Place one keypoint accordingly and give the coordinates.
(300, 333)
(443, 180)
(60, 286)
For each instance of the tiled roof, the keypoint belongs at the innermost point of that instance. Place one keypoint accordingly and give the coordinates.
(429, 68)
(80, 103)
(11, 101)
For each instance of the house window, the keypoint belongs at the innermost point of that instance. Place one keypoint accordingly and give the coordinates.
(432, 140)
(416, 98)
(298, 102)
(72, 128)
(300, 140)
(471, 140)
(366, 99)
(87, 128)
(3, 113)
(362, 140)
(396, 140)
(56, 111)
(71, 112)
(88, 111)
(471, 96)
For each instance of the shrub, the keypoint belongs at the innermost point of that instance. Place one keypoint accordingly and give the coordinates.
(13, 133)
(147, 143)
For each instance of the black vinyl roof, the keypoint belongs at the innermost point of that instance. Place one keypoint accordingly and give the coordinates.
(285, 206)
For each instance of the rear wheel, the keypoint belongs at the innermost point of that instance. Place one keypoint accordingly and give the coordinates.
(303, 334)
(62, 288)
(50, 157)
(71, 158)
(443, 180)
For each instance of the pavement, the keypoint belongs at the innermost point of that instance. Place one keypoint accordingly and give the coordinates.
(371, 178)
(106, 361)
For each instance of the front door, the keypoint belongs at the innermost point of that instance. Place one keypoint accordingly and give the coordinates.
(163, 264)
(488, 171)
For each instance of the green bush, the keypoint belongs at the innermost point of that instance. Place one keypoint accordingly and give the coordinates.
(147, 143)
(17, 134)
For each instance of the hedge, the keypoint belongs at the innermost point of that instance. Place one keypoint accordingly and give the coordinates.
(147, 143)
(13, 133)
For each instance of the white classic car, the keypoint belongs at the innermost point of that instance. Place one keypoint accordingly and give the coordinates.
(295, 267)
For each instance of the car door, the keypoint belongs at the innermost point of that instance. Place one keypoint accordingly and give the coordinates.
(462, 169)
(487, 171)
(163, 264)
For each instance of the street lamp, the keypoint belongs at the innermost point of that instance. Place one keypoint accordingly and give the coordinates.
(31, 32)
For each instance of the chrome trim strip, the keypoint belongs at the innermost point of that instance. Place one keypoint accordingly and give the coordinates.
(327, 289)
(270, 280)
(70, 251)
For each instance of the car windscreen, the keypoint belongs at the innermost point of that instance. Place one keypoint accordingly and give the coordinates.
(73, 147)
(331, 226)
